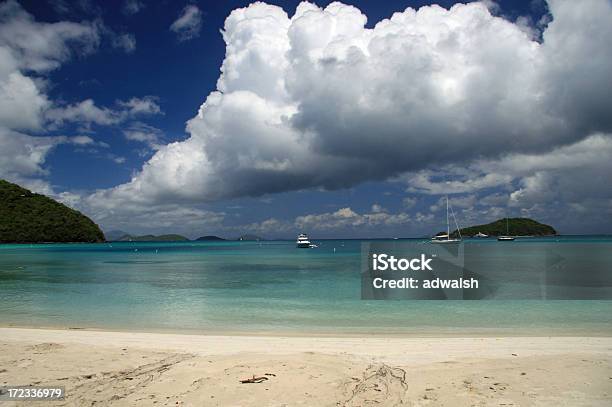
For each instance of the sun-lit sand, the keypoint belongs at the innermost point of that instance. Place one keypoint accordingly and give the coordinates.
(145, 369)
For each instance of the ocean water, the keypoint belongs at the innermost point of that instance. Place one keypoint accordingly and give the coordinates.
(258, 287)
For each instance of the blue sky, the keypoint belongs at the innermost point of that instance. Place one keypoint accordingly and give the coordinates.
(145, 80)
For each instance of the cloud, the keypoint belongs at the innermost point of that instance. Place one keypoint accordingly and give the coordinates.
(589, 155)
(409, 202)
(145, 105)
(118, 40)
(567, 186)
(83, 112)
(454, 101)
(453, 179)
(39, 47)
(347, 218)
(60, 6)
(144, 133)
(26, 47)
(126, 42)
(567, 178)
(86, 112)
(29, 51)
(75, 7)
(326, 103)
(21, 101)
(156, 218)
(466, 201)
(188, 24)
(22, 157)
(83, 141)
(377, 208)
(271, 227)
(68, 198)
(116, 159)
(131, 7)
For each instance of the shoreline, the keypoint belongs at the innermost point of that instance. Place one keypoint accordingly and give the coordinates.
(356, 332)
(394, 349)
(144, 369)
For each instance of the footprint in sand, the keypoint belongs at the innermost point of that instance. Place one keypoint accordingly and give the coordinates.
(379, 384)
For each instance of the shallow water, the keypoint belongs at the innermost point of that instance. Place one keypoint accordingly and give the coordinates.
(254, 287)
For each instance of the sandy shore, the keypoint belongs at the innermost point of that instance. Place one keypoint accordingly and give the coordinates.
(142, 369)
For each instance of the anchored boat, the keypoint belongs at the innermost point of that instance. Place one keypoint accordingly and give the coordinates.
(303, 242)
(506, 237)
(447, 238)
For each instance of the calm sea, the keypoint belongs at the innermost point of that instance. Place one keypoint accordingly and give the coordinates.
(256, 287)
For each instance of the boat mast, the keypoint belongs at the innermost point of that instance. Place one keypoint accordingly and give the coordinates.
(447, 221)
(456, 224)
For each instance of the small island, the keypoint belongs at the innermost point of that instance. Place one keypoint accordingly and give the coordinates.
(515, 227)
(26, 217)
(210, 238)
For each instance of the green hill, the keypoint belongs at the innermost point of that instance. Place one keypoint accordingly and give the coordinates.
(153, 238)
(516, 227)
(26, 217)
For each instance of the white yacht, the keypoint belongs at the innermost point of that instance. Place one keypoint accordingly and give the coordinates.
(446, 238)
(302, 241)
(480, 234)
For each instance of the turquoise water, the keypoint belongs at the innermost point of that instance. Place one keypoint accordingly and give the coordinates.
(252, 287)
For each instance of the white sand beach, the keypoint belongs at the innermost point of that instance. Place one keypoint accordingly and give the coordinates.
(154, 369)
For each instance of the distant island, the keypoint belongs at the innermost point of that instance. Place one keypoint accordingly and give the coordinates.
(153, 238)
(516, 227)
(209, 238)
(26, 217)
(114, 235)
(250, 238)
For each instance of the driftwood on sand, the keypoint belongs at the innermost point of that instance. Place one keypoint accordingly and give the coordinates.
(254, 379)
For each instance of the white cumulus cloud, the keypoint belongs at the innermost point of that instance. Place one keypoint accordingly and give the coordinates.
(318, 100)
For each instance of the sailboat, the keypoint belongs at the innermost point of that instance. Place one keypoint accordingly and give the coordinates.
(506, 237)
(447, 238)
